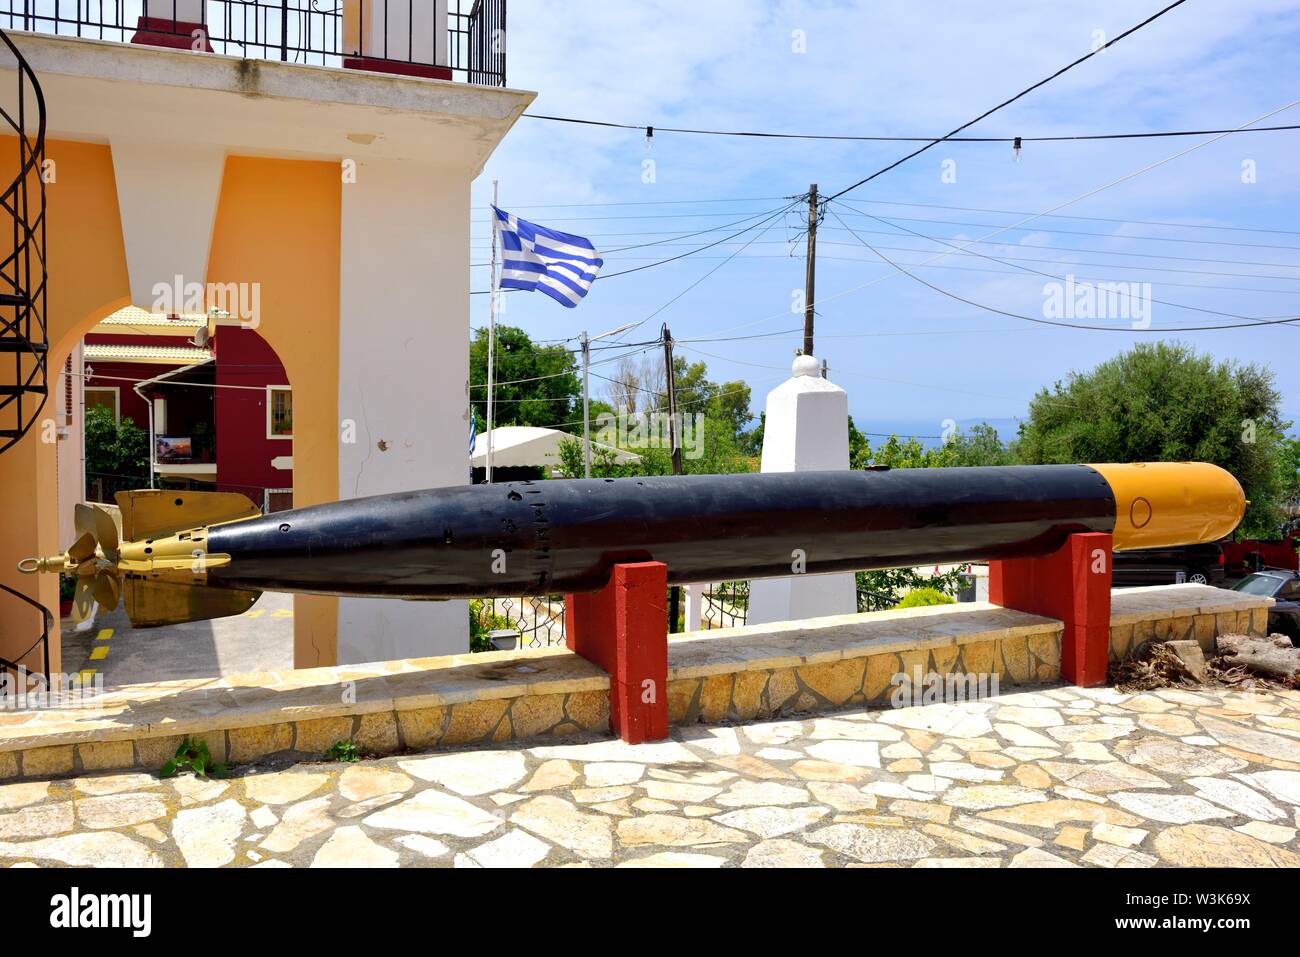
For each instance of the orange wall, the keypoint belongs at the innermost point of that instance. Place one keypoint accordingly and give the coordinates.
(88, 281)
(278, 224)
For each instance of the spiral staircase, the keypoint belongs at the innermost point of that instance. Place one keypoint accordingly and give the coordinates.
(24, 347)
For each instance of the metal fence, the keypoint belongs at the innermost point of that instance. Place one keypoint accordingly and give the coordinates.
(315, 32)
(725, 605)
(537, 621)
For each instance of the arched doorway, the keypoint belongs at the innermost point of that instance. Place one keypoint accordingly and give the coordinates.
(182, 402)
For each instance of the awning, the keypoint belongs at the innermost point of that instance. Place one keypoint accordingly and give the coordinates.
(519, 445)
(162, 355)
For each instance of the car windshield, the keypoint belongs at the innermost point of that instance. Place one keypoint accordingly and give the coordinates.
(1258, 584)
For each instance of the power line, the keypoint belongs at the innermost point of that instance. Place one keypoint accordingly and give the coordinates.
(1027, 218)
(1127, 254)
(1070, 325)
(643, 202)
(878, 138)
(950, 208)
(1094, 219)
(557, 375)
(1067, 232)
(1038, 272)
(700, 249)
(1007, 102)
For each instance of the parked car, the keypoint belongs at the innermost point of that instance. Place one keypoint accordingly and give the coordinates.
(1199, 564)
(1284, 588)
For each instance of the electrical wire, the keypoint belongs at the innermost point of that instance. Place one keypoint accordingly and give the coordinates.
(1038, 272)
(1007, 102)
(1029, 218)
(1070, 325)
(671, 259)
(1064, 232)
(897, 139)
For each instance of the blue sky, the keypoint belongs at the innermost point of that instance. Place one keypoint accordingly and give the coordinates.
(909, 357)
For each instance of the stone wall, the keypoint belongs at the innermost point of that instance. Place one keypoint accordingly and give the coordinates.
(1139, 615)
(722, 675)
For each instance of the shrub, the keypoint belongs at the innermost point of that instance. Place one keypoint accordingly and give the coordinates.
(921, 597)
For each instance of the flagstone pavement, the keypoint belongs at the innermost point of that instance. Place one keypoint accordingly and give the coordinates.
(1060, 777)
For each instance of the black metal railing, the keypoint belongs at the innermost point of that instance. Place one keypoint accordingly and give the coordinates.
(23, 340)
(724, 605)
(21, 663)
(383, 35)
(23, 343)
(537, 621)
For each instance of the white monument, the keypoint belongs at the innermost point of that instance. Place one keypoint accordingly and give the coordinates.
(807, 429)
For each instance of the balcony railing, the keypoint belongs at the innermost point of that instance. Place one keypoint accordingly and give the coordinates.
(394, 36)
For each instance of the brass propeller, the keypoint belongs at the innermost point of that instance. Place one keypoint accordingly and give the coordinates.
(94, 557)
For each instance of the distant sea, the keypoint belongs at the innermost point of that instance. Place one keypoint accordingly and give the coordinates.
(927, 431)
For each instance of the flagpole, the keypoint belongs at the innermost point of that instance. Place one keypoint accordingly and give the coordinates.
(492, 333)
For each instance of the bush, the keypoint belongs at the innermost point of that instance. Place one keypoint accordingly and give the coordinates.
(921, 597)
(885, 588)
(482, 621)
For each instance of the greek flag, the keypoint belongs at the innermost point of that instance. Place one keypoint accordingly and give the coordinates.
(473, 431)
(533, 257)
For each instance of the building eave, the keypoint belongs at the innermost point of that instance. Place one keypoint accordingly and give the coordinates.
(102, 88)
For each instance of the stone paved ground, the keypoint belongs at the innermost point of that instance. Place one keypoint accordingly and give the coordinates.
(258, 641)
(1059, 777)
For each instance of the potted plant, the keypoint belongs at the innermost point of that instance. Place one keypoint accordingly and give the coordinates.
(67, 588)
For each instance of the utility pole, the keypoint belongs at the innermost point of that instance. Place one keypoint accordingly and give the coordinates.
(674, 593)
(672, 400)
(810, 274)
(585, 343)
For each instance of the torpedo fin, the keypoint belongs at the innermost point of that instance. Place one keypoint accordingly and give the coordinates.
(152, 603)
(156, 513)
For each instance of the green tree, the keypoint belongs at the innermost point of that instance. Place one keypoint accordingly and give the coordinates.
(535, 385)
(115, 446)
(1165, 402)
(980, 446)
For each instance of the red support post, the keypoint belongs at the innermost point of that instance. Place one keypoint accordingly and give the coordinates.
(1072, 584)
(623, 628)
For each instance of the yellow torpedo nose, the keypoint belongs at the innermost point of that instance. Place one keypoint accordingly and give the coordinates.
(1162, 504)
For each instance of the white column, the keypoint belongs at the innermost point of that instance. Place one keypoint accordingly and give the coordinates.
(806, 429)
(183, 11)
(694, 595)
(397, 30)
(403, 374)
(167, 193)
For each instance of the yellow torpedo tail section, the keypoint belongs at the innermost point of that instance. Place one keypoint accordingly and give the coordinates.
(158, 558)
(155, 513)
(153, 603)
(165, 565)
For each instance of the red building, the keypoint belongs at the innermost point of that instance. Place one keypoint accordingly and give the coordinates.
(213, 396)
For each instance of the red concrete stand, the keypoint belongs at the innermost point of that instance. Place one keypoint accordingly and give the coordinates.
(623, 628)
(1072, 584)
(426, 71)
(173, 34)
